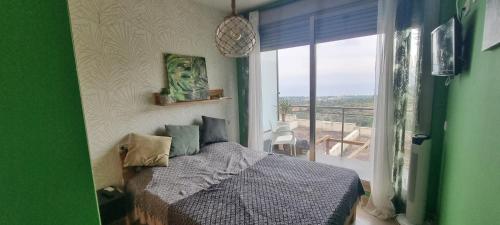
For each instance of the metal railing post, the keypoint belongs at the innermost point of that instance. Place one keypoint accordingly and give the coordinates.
(342, 137)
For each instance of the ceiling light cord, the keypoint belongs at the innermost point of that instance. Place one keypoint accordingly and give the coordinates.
(233, 7)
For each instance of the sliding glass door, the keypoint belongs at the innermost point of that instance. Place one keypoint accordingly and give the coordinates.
(294, 110)
(286, 108)
(344, 102)
(324, 57)
(344, 90)
(269, 79)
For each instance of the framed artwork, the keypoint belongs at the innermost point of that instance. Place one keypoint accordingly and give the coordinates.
(491, 36)
(186, 77)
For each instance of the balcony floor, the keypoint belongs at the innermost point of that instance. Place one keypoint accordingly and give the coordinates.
(363, 168)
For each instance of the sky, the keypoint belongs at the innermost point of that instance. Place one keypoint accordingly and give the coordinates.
(345, 67)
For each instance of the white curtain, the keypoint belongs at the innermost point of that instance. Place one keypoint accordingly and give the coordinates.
(255, 130)
(380, 204)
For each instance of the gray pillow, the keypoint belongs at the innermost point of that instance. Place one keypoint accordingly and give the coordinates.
(213, 130)
(185, 140)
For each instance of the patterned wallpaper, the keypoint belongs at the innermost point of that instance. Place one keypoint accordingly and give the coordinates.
(119, 46)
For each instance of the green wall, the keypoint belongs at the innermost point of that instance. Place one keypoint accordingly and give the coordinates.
(439, 104)
(45, 173)
(471, 147)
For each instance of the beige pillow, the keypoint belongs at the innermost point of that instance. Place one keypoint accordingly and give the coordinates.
(147, 150)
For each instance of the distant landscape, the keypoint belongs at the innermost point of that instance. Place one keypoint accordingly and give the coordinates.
(360, 117)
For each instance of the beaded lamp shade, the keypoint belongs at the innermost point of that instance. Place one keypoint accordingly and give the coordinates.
(235, 36)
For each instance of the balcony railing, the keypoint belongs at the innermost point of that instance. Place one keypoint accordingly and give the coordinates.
(344, 113)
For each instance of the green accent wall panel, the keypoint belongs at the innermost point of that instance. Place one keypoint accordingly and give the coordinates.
(45, 172)
(471, 148)
(242, 76)
(439, 104)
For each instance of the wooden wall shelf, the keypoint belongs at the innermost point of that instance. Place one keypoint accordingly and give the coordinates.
(196, 102)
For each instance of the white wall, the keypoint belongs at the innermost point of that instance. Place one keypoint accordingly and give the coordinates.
(119, 46)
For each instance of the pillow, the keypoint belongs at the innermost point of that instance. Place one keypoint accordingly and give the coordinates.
(185, 140)
(213, 130)
(147, 150)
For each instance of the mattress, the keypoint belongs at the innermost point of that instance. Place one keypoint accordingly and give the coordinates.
(227, 183)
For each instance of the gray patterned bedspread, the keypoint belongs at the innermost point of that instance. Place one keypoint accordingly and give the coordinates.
(154, 189)
(266, 190)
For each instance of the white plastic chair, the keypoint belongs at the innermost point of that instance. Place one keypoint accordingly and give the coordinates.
(283, 135)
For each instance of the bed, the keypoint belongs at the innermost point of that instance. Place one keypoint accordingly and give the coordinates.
(227, 183)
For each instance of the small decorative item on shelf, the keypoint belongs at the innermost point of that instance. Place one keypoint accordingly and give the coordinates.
(162, 97)
(157, 98)
(216, 93)
(168, 100)
(165, 98)
(164, 91)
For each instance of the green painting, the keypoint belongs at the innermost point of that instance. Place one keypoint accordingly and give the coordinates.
(186, 77)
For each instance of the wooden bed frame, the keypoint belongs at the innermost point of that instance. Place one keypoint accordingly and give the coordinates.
(139, 216)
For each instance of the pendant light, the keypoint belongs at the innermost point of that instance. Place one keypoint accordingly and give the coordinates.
(235, 36)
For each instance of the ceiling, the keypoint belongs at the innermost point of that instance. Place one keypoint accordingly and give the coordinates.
(241, 5)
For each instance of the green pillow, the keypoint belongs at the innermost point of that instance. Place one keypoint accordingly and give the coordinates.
(185, 140)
